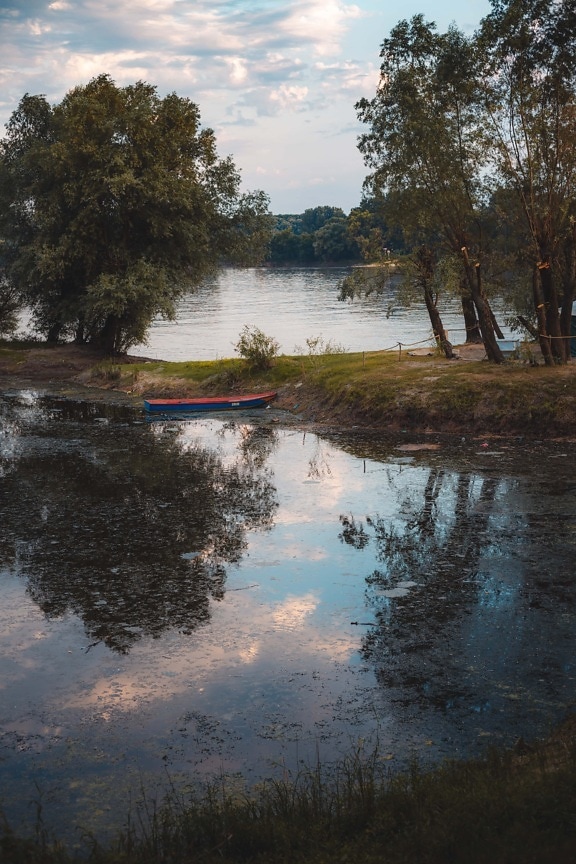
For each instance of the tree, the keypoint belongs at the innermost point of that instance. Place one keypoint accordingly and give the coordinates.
(333, 242)
(9, 308)
(425, 144)
(530, 108)
(289, 247)
(316, 217)
(114, 204)
(9, 303)
(373, 231)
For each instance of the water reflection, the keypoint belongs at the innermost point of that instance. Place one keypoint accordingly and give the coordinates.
(461, 570)
(131, 532)
(226, 595)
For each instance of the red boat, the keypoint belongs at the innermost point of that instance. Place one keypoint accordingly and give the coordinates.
(210, 403)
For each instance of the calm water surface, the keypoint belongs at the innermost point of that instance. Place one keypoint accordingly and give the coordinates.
(231, 595)
(293, 306)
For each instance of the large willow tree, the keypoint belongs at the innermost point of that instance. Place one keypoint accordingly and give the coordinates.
(461, 129)
(114, 203)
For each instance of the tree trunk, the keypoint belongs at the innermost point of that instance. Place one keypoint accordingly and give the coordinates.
(79, 335)
(437, 326)
(53, 334)
(569, 291)
(552, 312)
(495, 324)
(483, 309)
(109, 337)
(539, 306)
(533, 331)
(473, 335)
(426, 262)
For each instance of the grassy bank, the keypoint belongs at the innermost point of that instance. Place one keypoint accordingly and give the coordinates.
(514, 808)
(395, 390)
(384, 389)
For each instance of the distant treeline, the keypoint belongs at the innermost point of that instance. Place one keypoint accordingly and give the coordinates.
(325, 235)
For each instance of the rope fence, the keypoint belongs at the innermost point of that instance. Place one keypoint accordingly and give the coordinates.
(401, 345)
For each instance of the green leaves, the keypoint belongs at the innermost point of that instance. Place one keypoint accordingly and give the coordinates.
(115, 204)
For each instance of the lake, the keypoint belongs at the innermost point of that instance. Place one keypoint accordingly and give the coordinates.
(232, 596)
(293, 305)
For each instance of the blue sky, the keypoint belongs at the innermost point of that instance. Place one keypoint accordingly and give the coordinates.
(276, 79)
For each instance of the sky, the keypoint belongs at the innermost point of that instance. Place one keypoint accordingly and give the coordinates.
(277, 80)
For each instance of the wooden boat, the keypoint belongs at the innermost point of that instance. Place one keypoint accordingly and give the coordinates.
(210, 403)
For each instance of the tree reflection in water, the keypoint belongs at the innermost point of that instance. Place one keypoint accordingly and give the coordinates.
(132, 534)
(453, 597)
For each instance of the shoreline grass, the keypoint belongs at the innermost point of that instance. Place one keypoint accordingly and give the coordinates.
(390, 390)
(504, 809)
(381, 389)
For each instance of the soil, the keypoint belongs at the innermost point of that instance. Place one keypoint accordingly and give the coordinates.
(58, 364)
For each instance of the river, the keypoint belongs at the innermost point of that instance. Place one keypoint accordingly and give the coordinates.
(232, 597)
(292, 306)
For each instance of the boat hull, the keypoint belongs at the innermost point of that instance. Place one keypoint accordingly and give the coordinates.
(211, 403)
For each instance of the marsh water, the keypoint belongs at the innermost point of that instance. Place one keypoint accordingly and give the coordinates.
(234, 596)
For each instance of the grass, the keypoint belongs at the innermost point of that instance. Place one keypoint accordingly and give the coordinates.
(501, 810)
(385, 389)
(381, 388)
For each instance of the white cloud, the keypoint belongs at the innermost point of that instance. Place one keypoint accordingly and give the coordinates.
(284, 75)
(287, 96)
(322, 23)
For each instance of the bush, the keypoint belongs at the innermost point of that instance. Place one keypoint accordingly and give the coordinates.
(257, 348)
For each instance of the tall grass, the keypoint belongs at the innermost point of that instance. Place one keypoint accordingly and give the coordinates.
(499, 810)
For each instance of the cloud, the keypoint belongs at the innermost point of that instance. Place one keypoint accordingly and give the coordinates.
(322, 24)
(266, 51)
(277, 77)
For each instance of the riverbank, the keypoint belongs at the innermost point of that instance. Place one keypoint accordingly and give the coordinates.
(515, 807)
(418, 391)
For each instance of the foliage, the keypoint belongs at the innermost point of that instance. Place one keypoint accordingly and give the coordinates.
(9, 308)
(425, 147)
(257, 348)
(333, 242)
(288, 247)
(470, 151)
(374, 227)
(424, 136)
(529, 50)
(319, 235)
(317, 345)
(364, 281)
(113, 204)
(315, 218)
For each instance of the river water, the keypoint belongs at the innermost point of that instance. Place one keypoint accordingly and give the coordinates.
(293, 306)
(231, 596)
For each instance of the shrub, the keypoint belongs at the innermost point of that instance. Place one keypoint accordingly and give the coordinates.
(257, 348)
